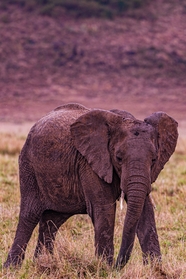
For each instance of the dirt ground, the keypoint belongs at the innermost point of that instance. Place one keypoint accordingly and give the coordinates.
(136, 63)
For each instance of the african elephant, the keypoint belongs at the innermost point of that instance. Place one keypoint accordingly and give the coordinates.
(78, 161)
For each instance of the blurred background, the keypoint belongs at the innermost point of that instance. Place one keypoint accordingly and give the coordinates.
(125, 54)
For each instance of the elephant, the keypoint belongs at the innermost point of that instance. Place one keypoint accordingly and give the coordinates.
(77, 160)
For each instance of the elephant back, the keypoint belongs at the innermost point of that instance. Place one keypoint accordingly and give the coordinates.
(52, 131)
(71, 106)
(62, 116)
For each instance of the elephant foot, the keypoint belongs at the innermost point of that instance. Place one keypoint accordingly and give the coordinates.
(154, 259)
(156, 265)
(108, 259)
(122, 260)
(13, 261)
(159, 272)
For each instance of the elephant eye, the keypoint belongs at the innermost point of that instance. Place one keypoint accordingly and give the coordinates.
(119, 159)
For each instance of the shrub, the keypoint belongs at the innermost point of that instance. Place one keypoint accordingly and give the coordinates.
(80, 8)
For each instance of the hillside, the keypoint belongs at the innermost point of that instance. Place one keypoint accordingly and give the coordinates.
(136, 62)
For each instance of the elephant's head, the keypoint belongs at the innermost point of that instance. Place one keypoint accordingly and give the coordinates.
(137, 150)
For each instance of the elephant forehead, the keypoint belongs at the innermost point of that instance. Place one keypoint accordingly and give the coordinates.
(139, 128)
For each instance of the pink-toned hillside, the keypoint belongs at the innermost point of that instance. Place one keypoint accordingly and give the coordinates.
(136, 63)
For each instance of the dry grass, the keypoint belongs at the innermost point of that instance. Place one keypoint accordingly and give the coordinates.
(10, 144)
(74, 249)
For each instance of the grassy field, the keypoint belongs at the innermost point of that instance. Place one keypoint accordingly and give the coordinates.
(74, 249)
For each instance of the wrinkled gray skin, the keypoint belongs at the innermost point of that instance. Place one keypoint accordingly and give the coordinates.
(77, 161)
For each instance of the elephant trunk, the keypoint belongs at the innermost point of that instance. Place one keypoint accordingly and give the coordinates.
(136, 194)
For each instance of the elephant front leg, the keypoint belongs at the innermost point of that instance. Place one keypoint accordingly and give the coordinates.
(147, 234)
(103, 218)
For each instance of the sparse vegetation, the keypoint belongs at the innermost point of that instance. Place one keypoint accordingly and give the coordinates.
(79, 8)
(74, 249)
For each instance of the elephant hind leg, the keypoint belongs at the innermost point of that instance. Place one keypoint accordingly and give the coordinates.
(24, 231)
(30, 214)
(48, 227)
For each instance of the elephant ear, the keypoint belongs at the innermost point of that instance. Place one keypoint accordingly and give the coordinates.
(167, 135)
(90, 134)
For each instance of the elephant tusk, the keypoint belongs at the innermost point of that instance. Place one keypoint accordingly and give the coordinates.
(122, 199)
(153, 202)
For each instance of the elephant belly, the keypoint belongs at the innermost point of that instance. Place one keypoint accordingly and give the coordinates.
(61, 193)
